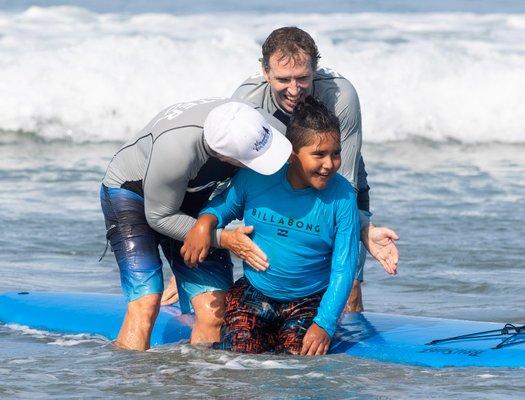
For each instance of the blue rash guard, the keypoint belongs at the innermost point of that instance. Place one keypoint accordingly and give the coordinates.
(310, 236)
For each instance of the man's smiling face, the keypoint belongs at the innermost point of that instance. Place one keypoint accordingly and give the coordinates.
(291, 79)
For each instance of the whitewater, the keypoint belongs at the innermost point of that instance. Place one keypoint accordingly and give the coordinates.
(74, 74)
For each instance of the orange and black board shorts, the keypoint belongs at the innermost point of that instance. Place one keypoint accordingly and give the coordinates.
(255, 323)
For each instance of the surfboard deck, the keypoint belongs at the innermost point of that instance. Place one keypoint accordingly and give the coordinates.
(383, 337)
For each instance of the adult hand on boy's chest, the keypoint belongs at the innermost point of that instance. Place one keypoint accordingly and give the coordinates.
(316, 341)
(238, 242)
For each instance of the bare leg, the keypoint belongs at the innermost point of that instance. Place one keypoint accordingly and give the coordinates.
(209, 316)
(136, 328)
(355, 301)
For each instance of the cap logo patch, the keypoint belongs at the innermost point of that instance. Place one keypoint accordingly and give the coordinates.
(264, 140)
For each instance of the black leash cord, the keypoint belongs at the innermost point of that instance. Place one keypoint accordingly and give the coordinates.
(508, 329)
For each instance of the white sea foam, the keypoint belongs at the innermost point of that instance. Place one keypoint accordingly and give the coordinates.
(75, 340)
(244, 363)
(37, 333)
(308, 375)
(57, 339)
(66, 72)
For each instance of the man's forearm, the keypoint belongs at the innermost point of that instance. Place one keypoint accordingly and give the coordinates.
(175, 226)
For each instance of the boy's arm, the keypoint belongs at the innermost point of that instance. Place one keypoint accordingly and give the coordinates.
(198, 241)
(229, 205)
(220, 212)
(344, 262)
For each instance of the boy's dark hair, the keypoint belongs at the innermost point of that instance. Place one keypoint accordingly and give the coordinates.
(311, 120)
(289, 41)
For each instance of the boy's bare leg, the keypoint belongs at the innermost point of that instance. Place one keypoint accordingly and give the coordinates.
(209, 316)
(355, 301)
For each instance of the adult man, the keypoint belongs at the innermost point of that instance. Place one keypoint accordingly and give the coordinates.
(152, 191)
(289, 74)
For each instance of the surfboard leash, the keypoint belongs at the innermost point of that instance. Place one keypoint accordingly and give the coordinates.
(509, 329)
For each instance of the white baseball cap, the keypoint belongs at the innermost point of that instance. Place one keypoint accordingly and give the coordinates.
(238, 131)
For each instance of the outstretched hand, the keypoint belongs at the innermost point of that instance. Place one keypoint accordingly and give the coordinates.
(239, 243)
(380, 242)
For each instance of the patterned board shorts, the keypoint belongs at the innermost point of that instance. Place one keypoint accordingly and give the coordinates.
(255, 323)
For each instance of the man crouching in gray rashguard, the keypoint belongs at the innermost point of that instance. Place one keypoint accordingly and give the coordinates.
(153, 189)
(289, 74)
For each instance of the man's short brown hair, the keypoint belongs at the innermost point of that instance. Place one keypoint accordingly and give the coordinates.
(289, 42)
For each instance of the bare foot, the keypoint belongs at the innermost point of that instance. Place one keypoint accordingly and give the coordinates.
(170, 294)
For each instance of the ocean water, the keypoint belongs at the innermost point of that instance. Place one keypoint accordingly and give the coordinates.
(442, 93)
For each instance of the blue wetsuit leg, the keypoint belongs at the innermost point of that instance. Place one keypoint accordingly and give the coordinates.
(133, 242)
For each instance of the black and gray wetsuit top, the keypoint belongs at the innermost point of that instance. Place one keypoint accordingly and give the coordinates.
(340, 97)
(169, 164)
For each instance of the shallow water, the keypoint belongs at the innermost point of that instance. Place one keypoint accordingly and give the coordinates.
(458, 209)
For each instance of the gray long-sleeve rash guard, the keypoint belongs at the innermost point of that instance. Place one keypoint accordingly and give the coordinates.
(169, 164)
(340, 97)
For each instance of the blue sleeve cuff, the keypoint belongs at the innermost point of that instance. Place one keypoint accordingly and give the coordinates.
(212, 211)
(323, 324)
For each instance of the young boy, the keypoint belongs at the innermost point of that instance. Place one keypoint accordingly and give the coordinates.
(305, 219)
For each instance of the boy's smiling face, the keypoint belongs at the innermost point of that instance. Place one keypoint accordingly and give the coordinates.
(316, 163)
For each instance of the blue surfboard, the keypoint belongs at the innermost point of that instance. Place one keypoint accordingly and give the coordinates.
(383, 337)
